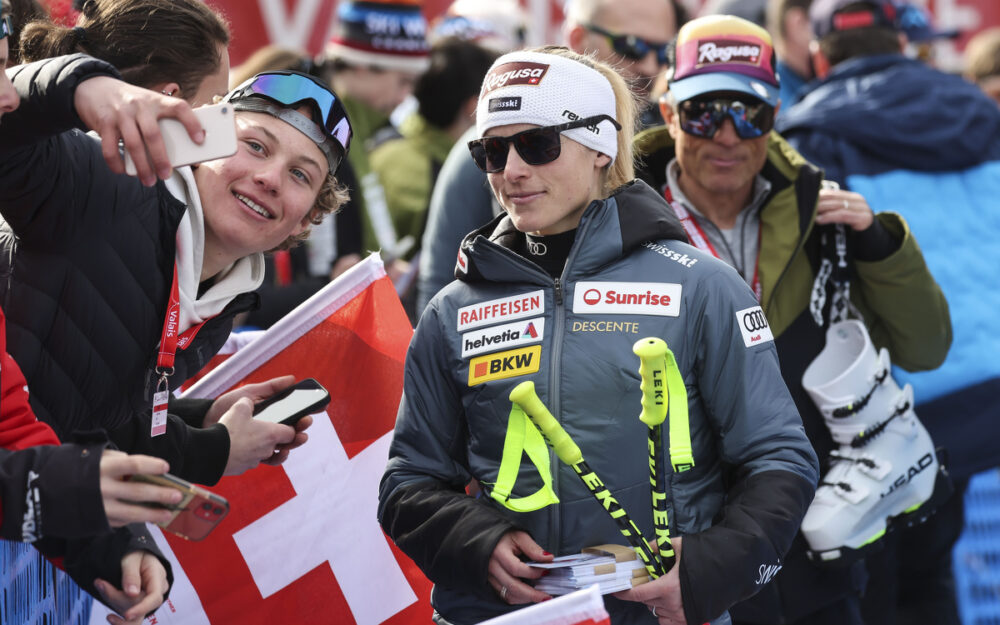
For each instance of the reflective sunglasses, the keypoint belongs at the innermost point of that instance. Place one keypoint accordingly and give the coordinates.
(290, 89)
(6, 27)
(630, 46)
(703, 118)
(536, 146)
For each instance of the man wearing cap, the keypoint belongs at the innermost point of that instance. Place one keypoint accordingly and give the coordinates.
(631, 33)
(372, 61)
(924, 143)
(754, 202)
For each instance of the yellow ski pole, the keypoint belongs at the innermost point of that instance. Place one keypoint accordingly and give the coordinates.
(524, 396)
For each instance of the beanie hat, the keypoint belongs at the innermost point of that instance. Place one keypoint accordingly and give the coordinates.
(499, 25)
(723, 53)
(389, 35)
(547, 90)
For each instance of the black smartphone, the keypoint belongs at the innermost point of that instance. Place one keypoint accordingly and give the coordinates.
(303, 398)
(198, 512)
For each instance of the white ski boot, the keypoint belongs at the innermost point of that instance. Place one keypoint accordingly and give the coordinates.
(885, 472)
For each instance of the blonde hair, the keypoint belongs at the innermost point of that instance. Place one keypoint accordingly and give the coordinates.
(982, 55)
(626, 112)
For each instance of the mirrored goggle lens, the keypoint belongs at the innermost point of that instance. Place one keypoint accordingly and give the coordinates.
(288, 89)
(6, 27)
(537, 146)
(705, 118)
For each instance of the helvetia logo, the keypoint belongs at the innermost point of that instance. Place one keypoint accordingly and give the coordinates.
(502, 337)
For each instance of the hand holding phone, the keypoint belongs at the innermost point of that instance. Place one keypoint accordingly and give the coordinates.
(198, 511)
(303, 398)
(219, 124)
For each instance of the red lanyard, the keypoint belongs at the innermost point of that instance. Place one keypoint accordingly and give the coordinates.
(169, 343)
(700, 241)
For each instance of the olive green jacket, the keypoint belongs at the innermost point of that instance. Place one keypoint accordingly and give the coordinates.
(900, 301)
(407, 167)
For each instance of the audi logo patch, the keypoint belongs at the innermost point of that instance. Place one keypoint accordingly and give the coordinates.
(753, 326)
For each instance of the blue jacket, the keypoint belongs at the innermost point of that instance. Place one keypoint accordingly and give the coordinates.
(925, 144)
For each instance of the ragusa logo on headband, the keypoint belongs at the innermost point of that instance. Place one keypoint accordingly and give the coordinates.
(727, 51)
(516, 73)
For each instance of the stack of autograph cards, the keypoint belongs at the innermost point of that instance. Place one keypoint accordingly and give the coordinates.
(611, 567)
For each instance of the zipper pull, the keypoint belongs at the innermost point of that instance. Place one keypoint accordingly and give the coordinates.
(559, 294)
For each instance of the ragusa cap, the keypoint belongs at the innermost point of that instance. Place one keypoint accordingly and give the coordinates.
(719, 53)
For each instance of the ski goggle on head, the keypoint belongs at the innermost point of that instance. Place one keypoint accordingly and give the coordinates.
(535, 146)
(631, 47)
(703, 117)
(6, 27)
(279, 93)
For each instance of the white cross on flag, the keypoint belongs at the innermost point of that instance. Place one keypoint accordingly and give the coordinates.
(301, 543)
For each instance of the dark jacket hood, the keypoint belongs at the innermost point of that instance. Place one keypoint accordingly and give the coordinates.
(880, 104)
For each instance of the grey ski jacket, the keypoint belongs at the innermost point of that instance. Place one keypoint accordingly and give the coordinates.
(629, 275)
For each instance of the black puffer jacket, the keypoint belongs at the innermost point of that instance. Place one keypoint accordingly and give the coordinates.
(86, 263)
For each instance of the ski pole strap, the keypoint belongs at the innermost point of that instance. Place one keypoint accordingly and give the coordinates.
(523, 438)
(681, 456)
(664, 395)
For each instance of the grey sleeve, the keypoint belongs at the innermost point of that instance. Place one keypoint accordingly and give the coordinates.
(759, 436)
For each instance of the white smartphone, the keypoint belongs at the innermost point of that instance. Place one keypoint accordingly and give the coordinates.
(219, 124)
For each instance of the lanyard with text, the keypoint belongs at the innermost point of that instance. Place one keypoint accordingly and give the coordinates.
(169, 343)
(700, 241)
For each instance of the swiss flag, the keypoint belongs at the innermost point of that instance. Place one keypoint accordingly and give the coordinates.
(301, 543)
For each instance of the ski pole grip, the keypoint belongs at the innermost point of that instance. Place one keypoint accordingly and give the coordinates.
(524, 395)
(652, 353)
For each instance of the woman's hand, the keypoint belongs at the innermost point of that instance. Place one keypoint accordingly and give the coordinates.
(119, 495)
(662, 596)
(506, 570)
(117, 110)
(145, 585)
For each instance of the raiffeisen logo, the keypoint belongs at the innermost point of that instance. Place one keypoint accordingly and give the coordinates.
(519, 73)
(627, 298)
(498, 310)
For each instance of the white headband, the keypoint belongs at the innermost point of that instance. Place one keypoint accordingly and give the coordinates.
(546, 90)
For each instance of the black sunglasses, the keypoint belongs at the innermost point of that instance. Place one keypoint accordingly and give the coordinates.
(536, 146)
(704, 117)
(630, 46)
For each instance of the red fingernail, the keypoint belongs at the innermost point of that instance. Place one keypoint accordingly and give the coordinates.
(547, 598)
(546, 553)
(545, 572)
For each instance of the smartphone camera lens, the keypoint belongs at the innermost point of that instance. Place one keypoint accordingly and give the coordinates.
(206, 506)
(217, 511)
